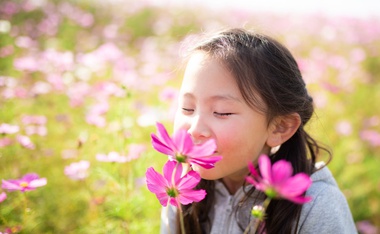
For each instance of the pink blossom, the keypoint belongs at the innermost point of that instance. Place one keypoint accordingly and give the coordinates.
(34, 119)
(25, 42)
(77, 170)
(39, 130)
(77, 92)
(41, 87)
(135, 150)
(3, 196)
(8, 128)
(95, 119)
(371, 136)
(107, 89)
(15, 92)
(277, 181)
(181, 148)
(28, 182)
(172, 188)
(25, 142)
(56, 81)
(5, 142)
(9, 8)
(111, 157)
(109, 52)
(26, 64)
(344, 127)
(6, 51)
(366, 227)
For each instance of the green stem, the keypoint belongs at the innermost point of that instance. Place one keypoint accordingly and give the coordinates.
(25, 208)
(183, 231)
(179, 204)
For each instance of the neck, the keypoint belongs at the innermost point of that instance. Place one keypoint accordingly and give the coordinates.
(233, 183)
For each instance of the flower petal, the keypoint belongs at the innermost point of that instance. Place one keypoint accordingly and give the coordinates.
(205, 149)
(163, 198)
(182, 142)
(164, 136)
(295, 185)
(189, 181)
(3, 196)
(299, 199)
(173, 201)
(281, 171)
(251, 180)
(160, 146)
(10, 186)
(29, 177)
(253, 171)
(171, 167)
(265, 168)
(156, 183)
(190, 196)
(205, 162)
(38, 183)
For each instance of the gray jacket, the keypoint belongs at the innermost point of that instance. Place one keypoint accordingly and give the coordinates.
(328, 212)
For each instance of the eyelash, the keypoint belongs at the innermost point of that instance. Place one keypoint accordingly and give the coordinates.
(215, 113)
(187, 110)
(223, 114)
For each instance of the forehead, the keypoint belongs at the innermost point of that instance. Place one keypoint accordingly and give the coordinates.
(205, 74)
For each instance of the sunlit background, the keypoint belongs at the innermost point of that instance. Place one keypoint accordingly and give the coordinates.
(82, 84)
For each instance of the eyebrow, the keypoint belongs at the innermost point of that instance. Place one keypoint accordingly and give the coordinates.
(221, 97)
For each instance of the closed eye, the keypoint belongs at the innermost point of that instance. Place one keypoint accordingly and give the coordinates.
(223, 114)
(187, 110)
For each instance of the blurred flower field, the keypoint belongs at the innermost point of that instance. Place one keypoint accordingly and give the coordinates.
(82, 84)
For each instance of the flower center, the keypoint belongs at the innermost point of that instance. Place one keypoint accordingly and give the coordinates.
(271, 193)
(180, 158)
(172, 192)
(24, 184)
(258, 212)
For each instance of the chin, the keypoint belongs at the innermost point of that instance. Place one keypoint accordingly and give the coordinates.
(207, 174)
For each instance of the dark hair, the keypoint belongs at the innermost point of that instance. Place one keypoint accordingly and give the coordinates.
(270, 81)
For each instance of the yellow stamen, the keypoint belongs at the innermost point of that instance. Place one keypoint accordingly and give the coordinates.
(24, 184)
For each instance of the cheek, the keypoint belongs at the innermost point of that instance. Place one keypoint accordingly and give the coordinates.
(179, 122)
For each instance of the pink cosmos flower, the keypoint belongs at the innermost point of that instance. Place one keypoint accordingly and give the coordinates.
(277, 181)
(34, 119)
(181, 148)
(8, 128)
(172, 188)
(135, 151)
(77, 170)
(371, 136)
(39, 130)
(111, 157)
(5, 142)
(26, 183)
(3, 196)
(25, 142)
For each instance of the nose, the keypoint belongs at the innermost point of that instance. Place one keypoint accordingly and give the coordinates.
(199, 130)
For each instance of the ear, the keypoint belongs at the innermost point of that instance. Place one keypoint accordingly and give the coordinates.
(282, 128)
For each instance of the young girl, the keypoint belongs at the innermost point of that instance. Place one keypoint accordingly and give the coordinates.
(245, 90)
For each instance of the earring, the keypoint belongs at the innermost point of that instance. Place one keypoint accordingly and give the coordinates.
(274, 150)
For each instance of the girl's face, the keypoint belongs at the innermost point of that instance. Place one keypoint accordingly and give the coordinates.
(211, 106)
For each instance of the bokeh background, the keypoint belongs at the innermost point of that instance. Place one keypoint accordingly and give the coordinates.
(85, 81)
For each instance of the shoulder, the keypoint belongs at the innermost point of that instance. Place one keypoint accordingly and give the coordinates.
(328, 211)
